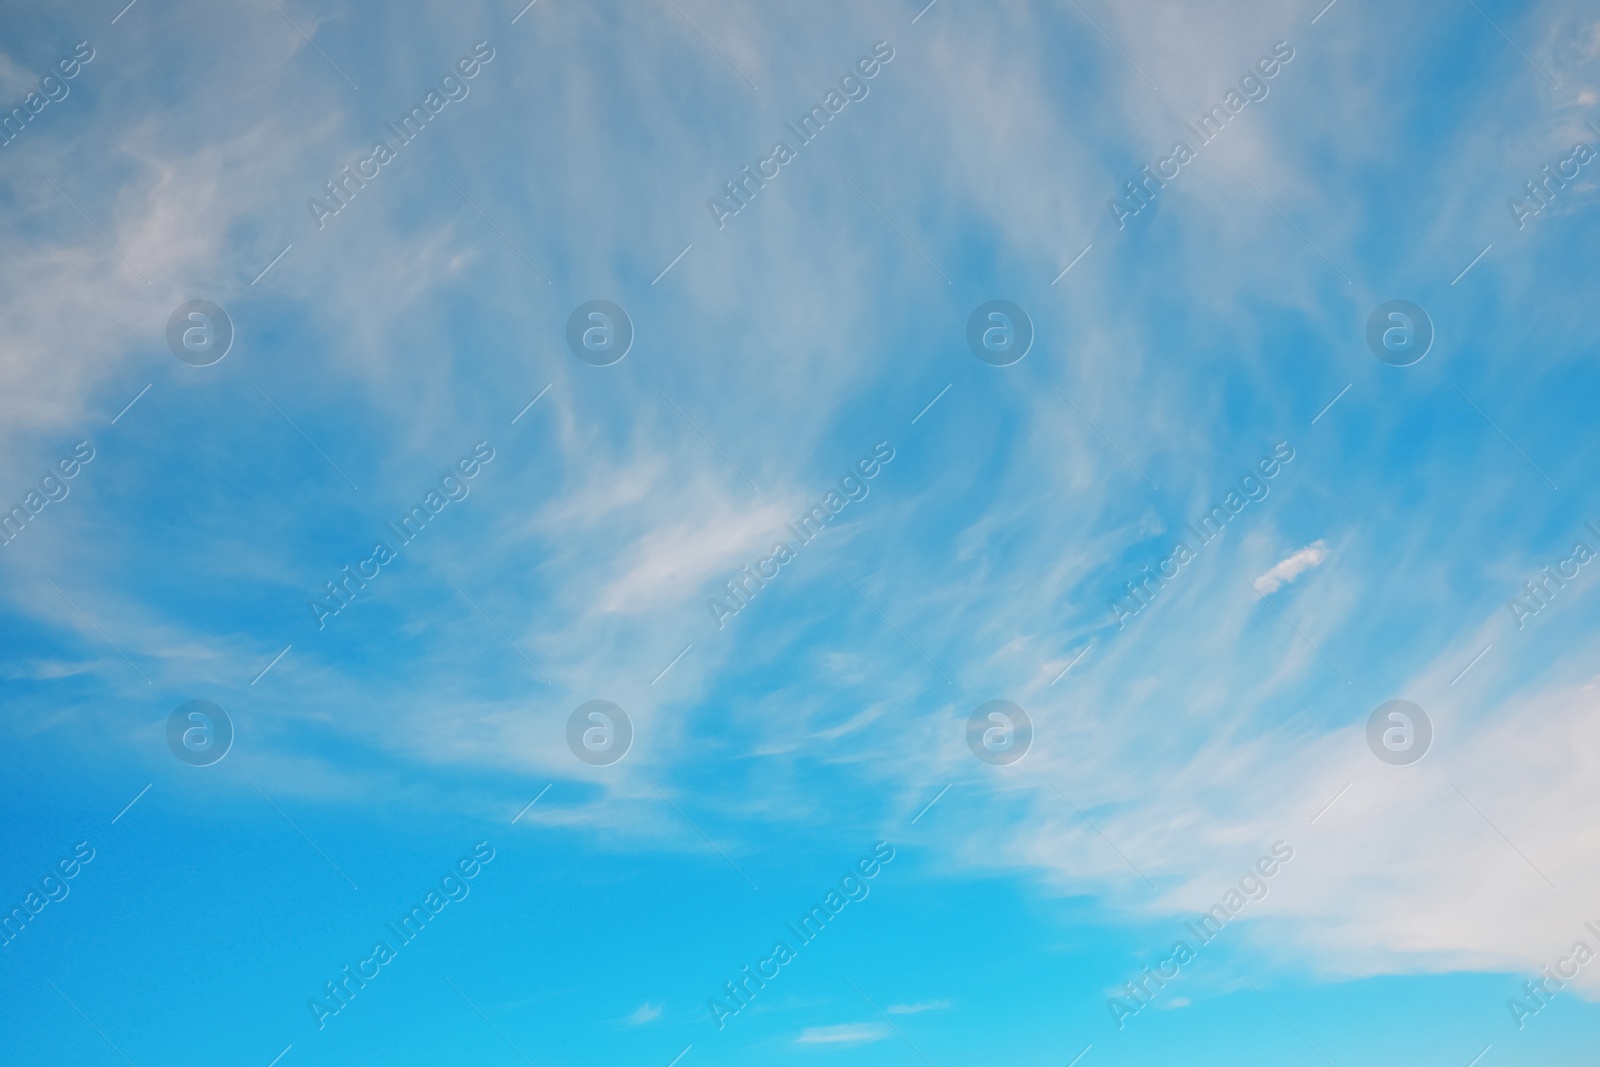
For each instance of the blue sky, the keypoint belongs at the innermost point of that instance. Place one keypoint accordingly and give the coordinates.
(1175, 351)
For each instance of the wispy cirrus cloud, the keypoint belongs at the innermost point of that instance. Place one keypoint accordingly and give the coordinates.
(843, 1034)
(916, 1009)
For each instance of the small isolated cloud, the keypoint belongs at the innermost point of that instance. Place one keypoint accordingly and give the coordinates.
(917, 1008)
(1286, 571)
(844, 1034)
(644, 1013)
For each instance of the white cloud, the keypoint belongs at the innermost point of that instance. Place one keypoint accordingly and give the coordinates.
(645, 511)
(1287, 570)
(917, 1008)
(843, 1034)
(49, 669)
(644, 1013)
